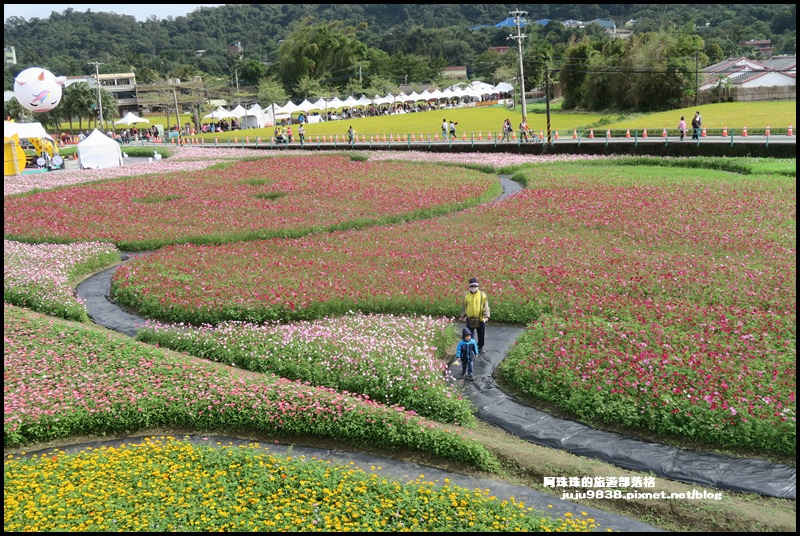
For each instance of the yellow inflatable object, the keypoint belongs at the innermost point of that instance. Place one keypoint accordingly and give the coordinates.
(43, 145)
(13, 156)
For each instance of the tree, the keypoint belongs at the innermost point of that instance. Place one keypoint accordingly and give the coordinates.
(185, 72)
(13, 109)
(503, 74)
(381, 86)
(412, 68)
(76, 103)
(110, 106)
(488, 62)
(271, 91)
(251, 71)
(319, 52)
(574, 73)
(714, 52)
(308, 87)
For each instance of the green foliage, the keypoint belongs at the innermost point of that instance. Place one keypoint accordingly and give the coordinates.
(272, 91)
(651, 71)
(389, 41)
(318, 52)
(745, 166)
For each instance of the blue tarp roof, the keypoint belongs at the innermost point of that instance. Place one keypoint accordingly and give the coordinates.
(508, 22)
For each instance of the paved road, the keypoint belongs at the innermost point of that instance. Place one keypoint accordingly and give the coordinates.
(241, 139)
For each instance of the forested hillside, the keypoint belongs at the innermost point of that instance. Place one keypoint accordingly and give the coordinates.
(281, 51)
(65, 41)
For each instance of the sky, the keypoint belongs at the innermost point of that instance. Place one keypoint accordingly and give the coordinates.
(140, 11)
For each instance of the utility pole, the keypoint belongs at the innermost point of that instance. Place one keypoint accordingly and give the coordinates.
(518, 20)
(547, 102)
(236, 72)
(177, 110)
(696, 79)
(97, 65)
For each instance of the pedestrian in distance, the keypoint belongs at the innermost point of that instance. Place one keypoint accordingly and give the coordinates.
(697, 122)
(507, 130)
(301, 131)
(475, 312)
(351, 135)
(466, 350)
(682, 127)
(445, 128)
(453, 129)
(523, 131)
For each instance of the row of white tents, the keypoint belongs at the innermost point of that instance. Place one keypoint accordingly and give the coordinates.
(258, 117)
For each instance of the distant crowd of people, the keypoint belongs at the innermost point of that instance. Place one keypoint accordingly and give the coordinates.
(220, 126)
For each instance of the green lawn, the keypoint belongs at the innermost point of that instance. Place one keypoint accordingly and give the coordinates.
(756, 117)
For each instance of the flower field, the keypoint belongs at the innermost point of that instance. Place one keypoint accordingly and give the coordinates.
(398, 361)
(173, 486)
(64, 380)
(244, 200)
(666, 255)
(656, 298)
(38, 276)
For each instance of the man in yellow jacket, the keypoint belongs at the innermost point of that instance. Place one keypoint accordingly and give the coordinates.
(475, 311)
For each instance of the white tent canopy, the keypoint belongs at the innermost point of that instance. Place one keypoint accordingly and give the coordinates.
(99, 151)
(481, 88)
(307, 106)
(254, 117)
(449, 94)
(320, 104)
(335, 103)
(219, 113)
(436, 94)
(239, 111)
(504, 87)
(350, 101)
(25, 130)
(288, 108)
(131, 119)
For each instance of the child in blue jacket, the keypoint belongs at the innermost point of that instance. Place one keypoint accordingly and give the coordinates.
(466, 350)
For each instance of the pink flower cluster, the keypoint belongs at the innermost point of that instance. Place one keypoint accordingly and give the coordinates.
(269, 195)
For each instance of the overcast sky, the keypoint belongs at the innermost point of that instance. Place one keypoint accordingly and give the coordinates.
(140, 11)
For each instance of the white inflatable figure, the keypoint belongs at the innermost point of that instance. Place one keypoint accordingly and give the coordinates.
(38, 90)
(157, 156)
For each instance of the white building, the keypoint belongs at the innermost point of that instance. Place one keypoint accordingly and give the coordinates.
(747, 73)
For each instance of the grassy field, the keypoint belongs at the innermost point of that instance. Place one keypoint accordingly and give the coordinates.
(779, 116)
